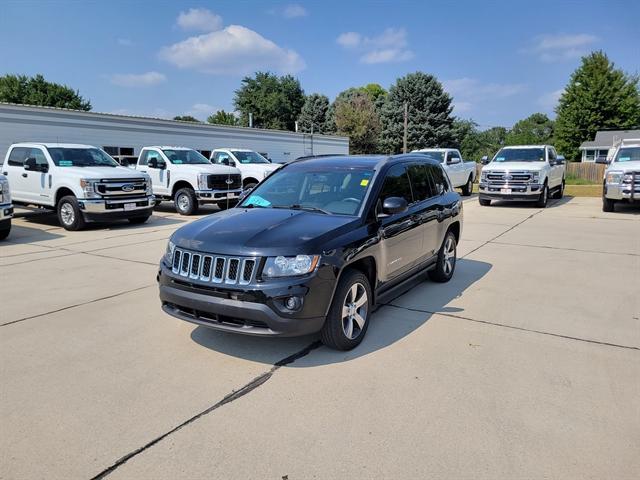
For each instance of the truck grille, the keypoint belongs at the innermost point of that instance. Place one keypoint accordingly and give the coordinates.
(511, 178)
(214, 268)
(632, 177)
(219, 182)
(119, 188)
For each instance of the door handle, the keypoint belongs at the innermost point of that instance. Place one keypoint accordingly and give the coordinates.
(25, 175)
(143, 171)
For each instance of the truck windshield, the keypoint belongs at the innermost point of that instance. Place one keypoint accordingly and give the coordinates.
(185, 157)
(337, 191)
(81, 157)
(249, 157)
(520, 155)
(628, 154)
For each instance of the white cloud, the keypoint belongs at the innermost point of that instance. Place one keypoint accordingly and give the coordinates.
(559, 47)
(549, 100)
(390, 46)
(124, 42)
(294, 11)
(202, 110)
(147, 79)
(232, 50)
(467, 93)
(199, 19)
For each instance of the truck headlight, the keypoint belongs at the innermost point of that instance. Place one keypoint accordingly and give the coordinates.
(168, 255)
(89, 188)
(535, 177)
(5, 192)
(290, 266)
(614, 176)
(148, 187)
(202, 181)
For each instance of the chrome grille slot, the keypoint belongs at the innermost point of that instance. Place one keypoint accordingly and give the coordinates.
(214, 268)
(118, 188)
(511, 178)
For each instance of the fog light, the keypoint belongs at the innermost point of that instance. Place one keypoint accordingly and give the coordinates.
(293, 303)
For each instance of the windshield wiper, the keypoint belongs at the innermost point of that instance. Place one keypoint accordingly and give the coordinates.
(297, 206)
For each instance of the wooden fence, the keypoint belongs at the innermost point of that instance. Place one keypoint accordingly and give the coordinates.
(593, 172)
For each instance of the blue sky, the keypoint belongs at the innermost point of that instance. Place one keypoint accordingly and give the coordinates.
(500, 60)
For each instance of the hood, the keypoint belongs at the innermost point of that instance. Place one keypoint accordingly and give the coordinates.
(263, 232)
(263, 167)
(101, 172)
(512, 166)
(625, 166)
(206, 168)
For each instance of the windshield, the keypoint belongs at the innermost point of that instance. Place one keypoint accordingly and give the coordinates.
(628, 154)
(188, 157)
(520, 155)
(437, 156)
(81, 157)
(338, 191)
(249, 157)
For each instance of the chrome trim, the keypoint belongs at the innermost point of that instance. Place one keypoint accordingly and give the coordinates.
(183, 261)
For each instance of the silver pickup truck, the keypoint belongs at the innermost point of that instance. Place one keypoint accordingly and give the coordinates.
(622, 177)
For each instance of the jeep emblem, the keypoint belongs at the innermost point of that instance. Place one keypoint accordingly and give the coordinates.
(127, 187)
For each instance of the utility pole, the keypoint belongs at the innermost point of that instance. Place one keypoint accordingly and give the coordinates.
(404, 142)
(312, 138)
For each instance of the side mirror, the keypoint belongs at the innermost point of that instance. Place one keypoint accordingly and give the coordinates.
(393, 205)
(225, 161)
(484, 160)
(552, 162)
(560, 160)
(602, 160)
(154, 163)
(32, 165)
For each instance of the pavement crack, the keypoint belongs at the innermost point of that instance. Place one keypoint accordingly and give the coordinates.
(513, 327)
(568, 249)
(231, 397)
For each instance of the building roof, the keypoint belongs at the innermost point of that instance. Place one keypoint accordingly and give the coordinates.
(52, 145)
(606, 138)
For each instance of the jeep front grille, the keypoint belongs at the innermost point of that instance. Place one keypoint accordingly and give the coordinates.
(229, 270)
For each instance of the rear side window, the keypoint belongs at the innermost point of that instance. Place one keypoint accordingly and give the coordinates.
(17, 156)
(438, 179)
(144, 158)
(396, 184)
(420, 182)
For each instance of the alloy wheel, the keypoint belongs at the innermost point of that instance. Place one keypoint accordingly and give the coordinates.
(67, 214)
(449, 257)
(183, 203)
(354, 311)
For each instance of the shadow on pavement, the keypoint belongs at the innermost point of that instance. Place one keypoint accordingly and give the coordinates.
(388, 325)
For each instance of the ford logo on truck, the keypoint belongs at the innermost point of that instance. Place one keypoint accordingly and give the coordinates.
(128, 187)
(228, 181)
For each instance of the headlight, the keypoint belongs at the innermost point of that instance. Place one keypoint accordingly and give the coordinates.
(535, 177)
(614, 177)
(202, 181)
(290, 266)
(168, 255)
(89, 188)
(148, 186)
(5, 192)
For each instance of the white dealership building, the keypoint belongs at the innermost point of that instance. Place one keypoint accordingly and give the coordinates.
(126, 135)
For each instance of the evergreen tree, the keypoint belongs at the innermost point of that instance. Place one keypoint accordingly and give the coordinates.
(314, 114)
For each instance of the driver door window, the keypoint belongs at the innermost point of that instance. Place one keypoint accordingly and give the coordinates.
(223, 158)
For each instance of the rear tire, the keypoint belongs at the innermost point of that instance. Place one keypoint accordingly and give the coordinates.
(467, 189)
(5, 228)
(138, 220)
(186, 201)
(544, 197)
(485, 202)
(446, 263)
(348, 318)
(69, 214)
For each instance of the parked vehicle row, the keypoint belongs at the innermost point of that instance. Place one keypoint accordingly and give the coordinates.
(462, 174)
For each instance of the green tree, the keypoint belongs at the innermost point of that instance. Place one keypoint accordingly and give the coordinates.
(223, 118)
(186, 118)
(314, 113)
(357, 118)
(430, 123)
(534, 130)
(37, 91)
(474, 143)
(597, 96)
(490, 141)
(375, 91)
(275, 102)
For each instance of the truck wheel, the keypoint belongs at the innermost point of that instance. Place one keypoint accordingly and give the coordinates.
(467, 189)
(558, 194)
(485, 202)
(348, 317)
(186, 201)
(5, 228)
(138, 220)
(446, 263)
(544, 197)
(608, 205)
(69, 214)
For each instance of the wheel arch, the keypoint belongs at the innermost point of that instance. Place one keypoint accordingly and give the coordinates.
(180, 184)
(63, 192)
(248, 180)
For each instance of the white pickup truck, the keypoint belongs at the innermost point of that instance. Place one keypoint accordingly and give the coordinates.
(529, 173)
(6, 208)
(622, 177)
(82, 183)
(461, 174)
(253, 166)
(187, 178)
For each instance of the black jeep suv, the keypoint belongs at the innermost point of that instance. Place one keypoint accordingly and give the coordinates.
(315, 247)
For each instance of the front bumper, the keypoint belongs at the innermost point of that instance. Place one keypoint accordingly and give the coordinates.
(215, 196)
(97, 210)
(519, 192)
(248, 309)
(6, 211)
(622, 191)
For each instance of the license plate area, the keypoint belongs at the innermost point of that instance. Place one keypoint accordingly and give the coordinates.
(505, 191)
(129, 206)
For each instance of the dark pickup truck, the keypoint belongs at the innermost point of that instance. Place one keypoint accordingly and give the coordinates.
(314, 247)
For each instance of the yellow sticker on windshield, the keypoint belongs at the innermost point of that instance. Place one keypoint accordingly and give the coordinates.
(364, 183)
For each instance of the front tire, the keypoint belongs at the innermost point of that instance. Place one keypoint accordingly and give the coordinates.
(608, 205)
(69, 214)
(467, 189)
(348, 318)
(5, 228)
(544, 197)
(558, 194)
(485, 202)
(186, 201)
(446, 263)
